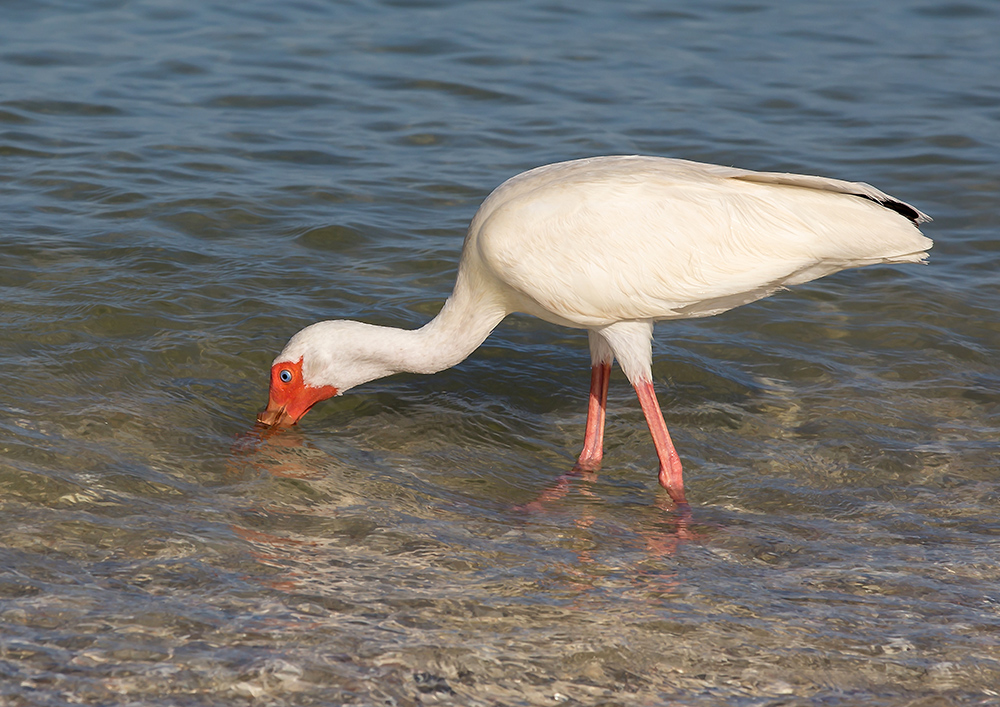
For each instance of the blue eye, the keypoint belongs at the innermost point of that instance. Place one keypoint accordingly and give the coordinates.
(285, 376)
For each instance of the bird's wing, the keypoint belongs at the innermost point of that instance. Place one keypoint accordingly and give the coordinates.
(661, 239)
(822, 184)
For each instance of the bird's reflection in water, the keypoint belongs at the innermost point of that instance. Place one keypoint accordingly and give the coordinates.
(278, 453)
(676, 526)
(595, 537)
(274, 451)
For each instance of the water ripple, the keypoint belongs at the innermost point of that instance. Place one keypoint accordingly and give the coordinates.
(185, 185)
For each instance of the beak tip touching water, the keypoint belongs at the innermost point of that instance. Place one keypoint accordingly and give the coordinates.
(275, 417)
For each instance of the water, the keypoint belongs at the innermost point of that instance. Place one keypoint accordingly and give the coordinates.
(186, 184)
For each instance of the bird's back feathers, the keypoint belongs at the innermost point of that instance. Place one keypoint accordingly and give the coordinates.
(590, 242)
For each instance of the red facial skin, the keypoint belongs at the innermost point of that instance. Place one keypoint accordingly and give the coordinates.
(289, 400)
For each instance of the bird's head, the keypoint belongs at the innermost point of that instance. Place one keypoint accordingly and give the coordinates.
(290, 396)
(321, 361)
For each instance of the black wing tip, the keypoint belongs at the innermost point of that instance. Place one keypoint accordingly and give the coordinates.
(902, 208)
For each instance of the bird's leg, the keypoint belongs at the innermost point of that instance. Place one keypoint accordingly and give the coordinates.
(671, 477)
(593, 439)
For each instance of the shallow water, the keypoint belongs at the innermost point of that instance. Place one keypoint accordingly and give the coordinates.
(185, 184)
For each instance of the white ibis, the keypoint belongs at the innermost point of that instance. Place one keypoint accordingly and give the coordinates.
(612, 245)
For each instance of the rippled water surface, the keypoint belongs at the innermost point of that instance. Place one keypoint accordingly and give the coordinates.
(185, 184)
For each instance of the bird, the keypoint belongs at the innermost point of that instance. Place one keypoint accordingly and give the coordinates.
(611, 245)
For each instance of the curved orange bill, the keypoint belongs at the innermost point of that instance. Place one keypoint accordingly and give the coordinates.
(275, 415)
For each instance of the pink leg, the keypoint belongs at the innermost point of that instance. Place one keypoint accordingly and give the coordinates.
(671, 477)
(593, 439)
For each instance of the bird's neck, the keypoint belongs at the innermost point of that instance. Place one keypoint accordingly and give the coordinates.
(463, 323)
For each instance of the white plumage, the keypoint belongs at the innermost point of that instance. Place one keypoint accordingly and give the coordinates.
(611, 245)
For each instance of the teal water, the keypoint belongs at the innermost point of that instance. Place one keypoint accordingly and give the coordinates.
(184, 185)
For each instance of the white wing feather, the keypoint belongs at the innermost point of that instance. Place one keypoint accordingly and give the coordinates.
(608, 239)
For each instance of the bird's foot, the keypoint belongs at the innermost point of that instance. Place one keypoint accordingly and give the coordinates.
(672, 477)
(586, 465)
